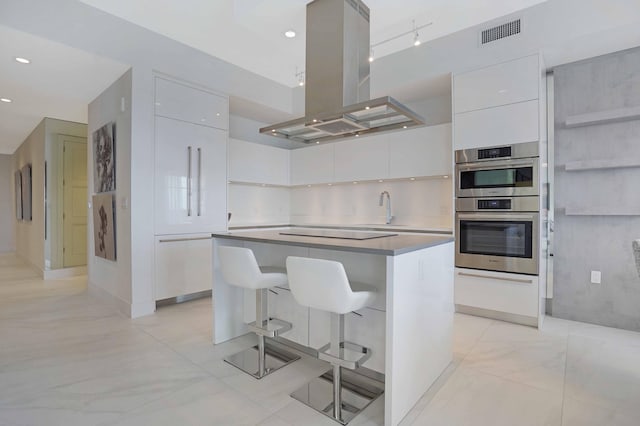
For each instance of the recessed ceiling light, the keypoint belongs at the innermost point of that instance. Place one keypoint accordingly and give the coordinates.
(22, 60)
(7, 100)
(290, 34)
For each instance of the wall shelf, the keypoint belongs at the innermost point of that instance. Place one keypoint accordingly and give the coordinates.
(619, 163)
(603, 117)
(599, 211)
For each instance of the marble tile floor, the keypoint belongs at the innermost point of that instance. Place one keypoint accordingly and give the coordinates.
(66, 358)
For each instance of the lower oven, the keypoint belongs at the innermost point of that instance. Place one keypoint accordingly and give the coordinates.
(505, 241)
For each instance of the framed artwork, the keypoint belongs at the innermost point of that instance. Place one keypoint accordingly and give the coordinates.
(26, 192)
(18, 190)
(104, 226)
(104, 158)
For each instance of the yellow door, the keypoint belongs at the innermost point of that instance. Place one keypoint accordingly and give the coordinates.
(74, 216)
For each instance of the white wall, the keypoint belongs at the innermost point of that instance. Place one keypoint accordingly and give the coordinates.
(421, 203)
(30, 234)
(7, 205)
(114, 278)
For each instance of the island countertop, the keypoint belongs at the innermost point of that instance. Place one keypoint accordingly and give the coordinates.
(393, 245)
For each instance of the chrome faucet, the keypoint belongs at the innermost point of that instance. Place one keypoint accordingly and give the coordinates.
(389, 215)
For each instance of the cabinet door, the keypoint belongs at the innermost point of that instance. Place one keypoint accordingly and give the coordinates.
(190, 184)
(425, 151)
(500, 84)
(364, 158)
(185, 103)
(507, 124)
(283, 306)
(183, 265)
(312, 165)
(256, 163)
(497, 291)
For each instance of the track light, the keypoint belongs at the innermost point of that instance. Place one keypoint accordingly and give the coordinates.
(416, 39)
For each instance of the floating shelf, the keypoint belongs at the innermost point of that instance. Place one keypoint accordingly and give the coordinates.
(602, 117)
(619, 163)
(600, 211)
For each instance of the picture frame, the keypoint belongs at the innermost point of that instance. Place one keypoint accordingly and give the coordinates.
(18, 193)
(26, 192)
(104, 158)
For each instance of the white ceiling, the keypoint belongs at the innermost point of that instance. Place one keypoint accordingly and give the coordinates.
(249, 33)
(59, 83)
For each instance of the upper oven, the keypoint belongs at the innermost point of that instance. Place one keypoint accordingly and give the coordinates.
(505, 171)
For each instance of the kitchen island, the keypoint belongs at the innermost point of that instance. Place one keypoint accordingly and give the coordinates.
(408, 328)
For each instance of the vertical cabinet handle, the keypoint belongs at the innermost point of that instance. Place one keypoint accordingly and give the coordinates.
(189, 181)
(199, 179)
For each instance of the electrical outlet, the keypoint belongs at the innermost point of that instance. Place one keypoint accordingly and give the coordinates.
(596, 277)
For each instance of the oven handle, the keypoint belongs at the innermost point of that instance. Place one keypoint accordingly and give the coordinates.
(498, 217)
(517, 280)
(492, 165)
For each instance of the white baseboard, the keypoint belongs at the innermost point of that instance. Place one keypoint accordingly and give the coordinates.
(129, 310)
(120, 305)
(57, 274)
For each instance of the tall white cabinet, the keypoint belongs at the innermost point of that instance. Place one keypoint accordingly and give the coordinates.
(191, 132)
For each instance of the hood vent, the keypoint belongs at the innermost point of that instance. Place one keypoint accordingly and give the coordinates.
(337, 103)
(501, 31)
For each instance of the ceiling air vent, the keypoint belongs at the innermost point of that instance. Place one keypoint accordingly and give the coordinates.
(501, 31)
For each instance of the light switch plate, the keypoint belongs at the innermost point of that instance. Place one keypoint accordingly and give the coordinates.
(596, 277)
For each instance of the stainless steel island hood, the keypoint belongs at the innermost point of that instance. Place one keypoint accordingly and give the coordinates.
(337, 103)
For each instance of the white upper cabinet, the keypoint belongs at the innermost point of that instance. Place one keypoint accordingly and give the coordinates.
(501, 84)
(364, 158)
(508, 124)
(425, 151)
(185, 103)
(190, 178)
(256, 163)
(312, 165)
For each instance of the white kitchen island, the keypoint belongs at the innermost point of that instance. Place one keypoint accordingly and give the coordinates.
(408, 329)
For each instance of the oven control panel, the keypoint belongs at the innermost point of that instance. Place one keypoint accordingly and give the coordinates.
(500, 204)
(498, 152)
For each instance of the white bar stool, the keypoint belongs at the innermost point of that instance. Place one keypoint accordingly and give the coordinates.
(240, 268)
(323, 284)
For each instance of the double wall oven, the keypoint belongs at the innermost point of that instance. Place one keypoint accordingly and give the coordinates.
(497, 208)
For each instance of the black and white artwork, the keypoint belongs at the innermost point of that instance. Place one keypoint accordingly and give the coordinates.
(18, 190)
(104, 226)
(104, 155)
(26, 192)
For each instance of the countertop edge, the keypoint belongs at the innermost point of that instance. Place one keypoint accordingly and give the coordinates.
(402, 229)
(385, 252)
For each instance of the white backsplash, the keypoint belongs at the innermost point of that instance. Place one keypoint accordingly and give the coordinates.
(420, 203)
(258, 205)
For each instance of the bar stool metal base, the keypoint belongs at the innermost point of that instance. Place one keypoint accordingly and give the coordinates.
(357, 393)
(275, 359)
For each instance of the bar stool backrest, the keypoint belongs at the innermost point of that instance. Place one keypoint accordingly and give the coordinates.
(319, 284)
(240, 267)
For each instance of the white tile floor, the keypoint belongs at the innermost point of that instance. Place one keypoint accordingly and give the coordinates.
(66, 358)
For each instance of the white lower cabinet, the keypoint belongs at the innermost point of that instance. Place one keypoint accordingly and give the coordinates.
(497, 291)
(183, 264)
(365, 327)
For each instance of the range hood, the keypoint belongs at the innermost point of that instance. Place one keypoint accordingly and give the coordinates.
(337, 103)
